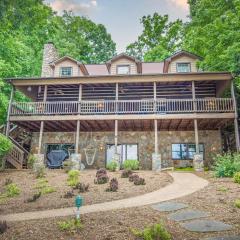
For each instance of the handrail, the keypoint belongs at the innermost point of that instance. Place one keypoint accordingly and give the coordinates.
(145, 106)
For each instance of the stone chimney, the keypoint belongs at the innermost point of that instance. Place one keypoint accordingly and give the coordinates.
(49, 54)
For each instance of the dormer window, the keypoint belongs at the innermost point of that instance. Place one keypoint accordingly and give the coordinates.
(183, 67)
(66, 71)
(123, 69)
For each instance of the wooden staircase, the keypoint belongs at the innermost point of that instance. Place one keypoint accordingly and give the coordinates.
(21, 140)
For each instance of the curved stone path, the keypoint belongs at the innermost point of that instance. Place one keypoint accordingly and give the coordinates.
(183, 184)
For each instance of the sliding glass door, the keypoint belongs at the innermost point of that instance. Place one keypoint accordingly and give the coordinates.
(126, 151)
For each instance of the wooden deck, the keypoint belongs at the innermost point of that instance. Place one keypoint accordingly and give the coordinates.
(123, 107)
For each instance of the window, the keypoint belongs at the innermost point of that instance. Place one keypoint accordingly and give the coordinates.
(126, 151)
(185, 151)
(183, 67)
(66, 71)
(123, 69)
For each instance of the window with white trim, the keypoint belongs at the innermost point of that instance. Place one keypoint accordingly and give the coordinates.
(183, 67)
(123, 69)
(66, 71)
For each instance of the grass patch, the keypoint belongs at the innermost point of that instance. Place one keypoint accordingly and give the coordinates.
(71, 225)
(43, 186)
(237, 203)
(222, 189)
(10, 190)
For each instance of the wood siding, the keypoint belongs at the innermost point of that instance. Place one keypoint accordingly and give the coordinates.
(183, 59)
(123, 61)
(67, 63)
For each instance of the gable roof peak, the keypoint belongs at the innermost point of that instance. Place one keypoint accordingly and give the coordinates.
(183, 52)
(122, 55)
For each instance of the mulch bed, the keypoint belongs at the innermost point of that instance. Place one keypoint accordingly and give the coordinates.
(58, 179)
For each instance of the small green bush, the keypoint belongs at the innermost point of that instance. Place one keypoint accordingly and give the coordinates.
(40, 171)
(48, 189)
(226, 165)
(236, 177)
(112, 166)
(157, 231)
(5, 147)
(72, 225)
(131, 164)
(73, 178)
(237, 203)
(31, 160)
(12, 190)
(43, 186)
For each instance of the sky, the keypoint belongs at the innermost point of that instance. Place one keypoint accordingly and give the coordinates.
(122, 17)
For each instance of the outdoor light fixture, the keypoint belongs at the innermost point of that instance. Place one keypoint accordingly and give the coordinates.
(29, 88)
(78, 204)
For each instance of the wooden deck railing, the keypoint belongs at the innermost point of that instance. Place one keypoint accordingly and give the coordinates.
(160, 106)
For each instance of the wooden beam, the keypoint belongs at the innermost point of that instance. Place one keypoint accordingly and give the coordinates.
(116, 136)
(40, 137)
(77, 137)
(196, 136)
(236, 128)
(9, 111)
(156, 135)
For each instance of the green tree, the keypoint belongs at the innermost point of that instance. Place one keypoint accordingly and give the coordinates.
(159, 38)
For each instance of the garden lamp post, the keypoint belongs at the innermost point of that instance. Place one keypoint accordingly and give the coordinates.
(78, 204)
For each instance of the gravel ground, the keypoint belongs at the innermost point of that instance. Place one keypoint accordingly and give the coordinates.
(58, 179)
(116, 225)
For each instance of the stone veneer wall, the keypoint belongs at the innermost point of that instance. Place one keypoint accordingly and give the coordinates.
(145, 141)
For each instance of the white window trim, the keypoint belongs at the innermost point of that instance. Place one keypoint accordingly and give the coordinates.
(125, 65)
(61, 68)
(189, 64)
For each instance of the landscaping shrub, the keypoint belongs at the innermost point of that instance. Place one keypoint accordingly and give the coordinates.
(113, 185)
(131, 164)
(68, 194)
(236, 177)
(73, 178)
(5, 147)
(44, 187)
(139, 181)
(237, 203)
(34, 197)
(31, 160)
(48, 189)
(72, 225)
(82, 187)
(126, 173)
(3, 227)
(101, 176)
(67, 165)
(112, 166)
(227, 164)
(155, 232)
(40, 171)
(133, 177)
(12, 190)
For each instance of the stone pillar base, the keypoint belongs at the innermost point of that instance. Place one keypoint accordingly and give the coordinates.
(198, 162)
(156, 162)
(39, 162)
(75, 159)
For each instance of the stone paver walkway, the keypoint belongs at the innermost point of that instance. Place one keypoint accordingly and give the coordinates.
(183, 184)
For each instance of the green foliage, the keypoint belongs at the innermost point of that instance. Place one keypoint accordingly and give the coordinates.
(5, 147)
(30, 161)
(40, 171)
(131, 164)
(227, 164)
(159, 39)
(222, 189)
(43, 186)
(112, 166)
(12, 190)
(156, 231)
(71, 226)
(73, 178)
(236, 177)
(237, 203)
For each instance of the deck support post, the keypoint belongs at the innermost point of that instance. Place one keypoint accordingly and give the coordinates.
(155, 96)
(196, 135)
(78, 121)
(236, 129)
(9, 111)
(42, 123)
(156, 135)
(116, 136)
